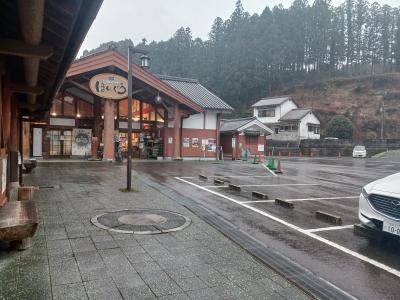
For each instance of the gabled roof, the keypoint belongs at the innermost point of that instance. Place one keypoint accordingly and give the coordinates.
(228, 125)
(244, 124)
(192, 89)
(111, 58)
(296, 114)
(272, 101)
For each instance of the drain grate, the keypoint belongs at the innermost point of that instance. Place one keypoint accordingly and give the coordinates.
(141, 221)
(47, 187)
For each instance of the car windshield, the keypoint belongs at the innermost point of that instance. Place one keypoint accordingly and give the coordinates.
(359, 148)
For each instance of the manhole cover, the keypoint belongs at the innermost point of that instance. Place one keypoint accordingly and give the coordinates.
(141, 221)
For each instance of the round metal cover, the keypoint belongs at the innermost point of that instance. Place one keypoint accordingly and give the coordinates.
(141, 221)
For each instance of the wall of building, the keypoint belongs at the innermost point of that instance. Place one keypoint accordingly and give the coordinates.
(280, 111)
(304, 133)
(192, 149)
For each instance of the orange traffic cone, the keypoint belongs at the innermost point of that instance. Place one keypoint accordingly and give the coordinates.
(278, 168)
(260, 158)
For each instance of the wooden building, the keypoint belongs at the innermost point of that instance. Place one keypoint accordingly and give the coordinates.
(172, 117)
(38, 42)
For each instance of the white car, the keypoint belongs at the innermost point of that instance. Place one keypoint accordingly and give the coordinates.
(379, 204)
(359, 151)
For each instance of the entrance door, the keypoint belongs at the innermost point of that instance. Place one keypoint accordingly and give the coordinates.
(37, 142)
(60, 142)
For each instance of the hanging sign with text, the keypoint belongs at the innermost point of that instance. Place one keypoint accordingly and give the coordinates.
(109, 86)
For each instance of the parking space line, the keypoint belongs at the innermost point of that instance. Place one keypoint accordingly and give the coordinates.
(329, 228)
(301, 230)
(263, 185)
(272, 172)
(305, 199)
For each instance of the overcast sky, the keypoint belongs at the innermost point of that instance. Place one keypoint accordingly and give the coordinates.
(159, 19)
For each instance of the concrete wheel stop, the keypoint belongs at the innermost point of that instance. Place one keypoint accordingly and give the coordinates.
(141, 221)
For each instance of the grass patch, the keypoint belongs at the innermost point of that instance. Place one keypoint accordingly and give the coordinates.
(132, 190)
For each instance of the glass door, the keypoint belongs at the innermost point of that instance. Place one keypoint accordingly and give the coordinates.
(60, 142)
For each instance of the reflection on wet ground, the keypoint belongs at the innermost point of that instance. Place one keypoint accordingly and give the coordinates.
(337, 181)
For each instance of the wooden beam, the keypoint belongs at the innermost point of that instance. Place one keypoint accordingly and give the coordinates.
(78, 86)
(23, 89)
(19, 48)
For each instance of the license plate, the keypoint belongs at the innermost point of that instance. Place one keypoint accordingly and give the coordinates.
(391, 227)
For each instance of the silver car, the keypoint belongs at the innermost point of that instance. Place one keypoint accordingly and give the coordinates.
(379, 204)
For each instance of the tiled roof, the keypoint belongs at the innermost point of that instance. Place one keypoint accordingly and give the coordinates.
(228, 125)
(274, 101)
(295, 114)
(193, 90)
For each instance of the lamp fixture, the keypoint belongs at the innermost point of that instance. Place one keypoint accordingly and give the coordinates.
(144, 61)
(158, 98)
(78, 115)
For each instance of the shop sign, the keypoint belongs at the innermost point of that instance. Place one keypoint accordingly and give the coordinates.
(170, 140)
(233, 142)
(260, 147)
(186, 143)
(81, 141)
(3, 175)
(109, 86)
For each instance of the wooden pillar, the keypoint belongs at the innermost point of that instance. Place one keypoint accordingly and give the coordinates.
(177, 140)
(14, 144)
(108, 130)
(165, 137)
(26, 137)
(97, 117)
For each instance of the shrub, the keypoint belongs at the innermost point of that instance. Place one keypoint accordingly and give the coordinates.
(339, 126)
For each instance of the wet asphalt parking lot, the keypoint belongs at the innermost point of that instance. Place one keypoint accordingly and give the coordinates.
(360, 266)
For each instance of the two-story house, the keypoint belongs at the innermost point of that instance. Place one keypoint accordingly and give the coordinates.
(286, 119)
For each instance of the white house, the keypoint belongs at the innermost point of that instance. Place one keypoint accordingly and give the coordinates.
(286, 119)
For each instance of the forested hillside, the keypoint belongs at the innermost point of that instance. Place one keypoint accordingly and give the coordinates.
(250, 56)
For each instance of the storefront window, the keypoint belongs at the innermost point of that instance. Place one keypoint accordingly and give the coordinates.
(123, 109)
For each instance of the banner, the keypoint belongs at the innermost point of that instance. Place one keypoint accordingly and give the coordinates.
(81, 141)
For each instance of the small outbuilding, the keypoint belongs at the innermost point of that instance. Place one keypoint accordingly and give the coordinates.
(245, 133)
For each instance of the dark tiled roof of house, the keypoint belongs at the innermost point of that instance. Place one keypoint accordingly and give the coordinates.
(296, 114)
(228, 125)
(193, 90)
(273, 101)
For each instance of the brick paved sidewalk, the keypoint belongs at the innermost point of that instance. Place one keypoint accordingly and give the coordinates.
(72, 259)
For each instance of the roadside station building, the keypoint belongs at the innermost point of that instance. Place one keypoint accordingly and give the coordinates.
(38, 42)
(243, 134)
(172, 117)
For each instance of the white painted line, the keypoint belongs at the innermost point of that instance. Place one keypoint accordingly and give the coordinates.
(305, 199)
(329, 228)
(262, 185)
(188, 177)
(243, 176)
(272, 172)
(301, 230)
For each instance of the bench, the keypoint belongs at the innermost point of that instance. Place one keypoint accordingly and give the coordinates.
(18, 223)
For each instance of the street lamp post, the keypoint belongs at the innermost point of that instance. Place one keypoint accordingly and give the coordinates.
(144, 64)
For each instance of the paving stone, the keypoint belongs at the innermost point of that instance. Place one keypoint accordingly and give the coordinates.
(139, 293)
(59, 247)
(82, 245)
(166, 287)
(191, 283)
(91, 265)
(147, 266)
(180, 273)
(106, 245)
(204, 294)
(69, 291)
(65, 271)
